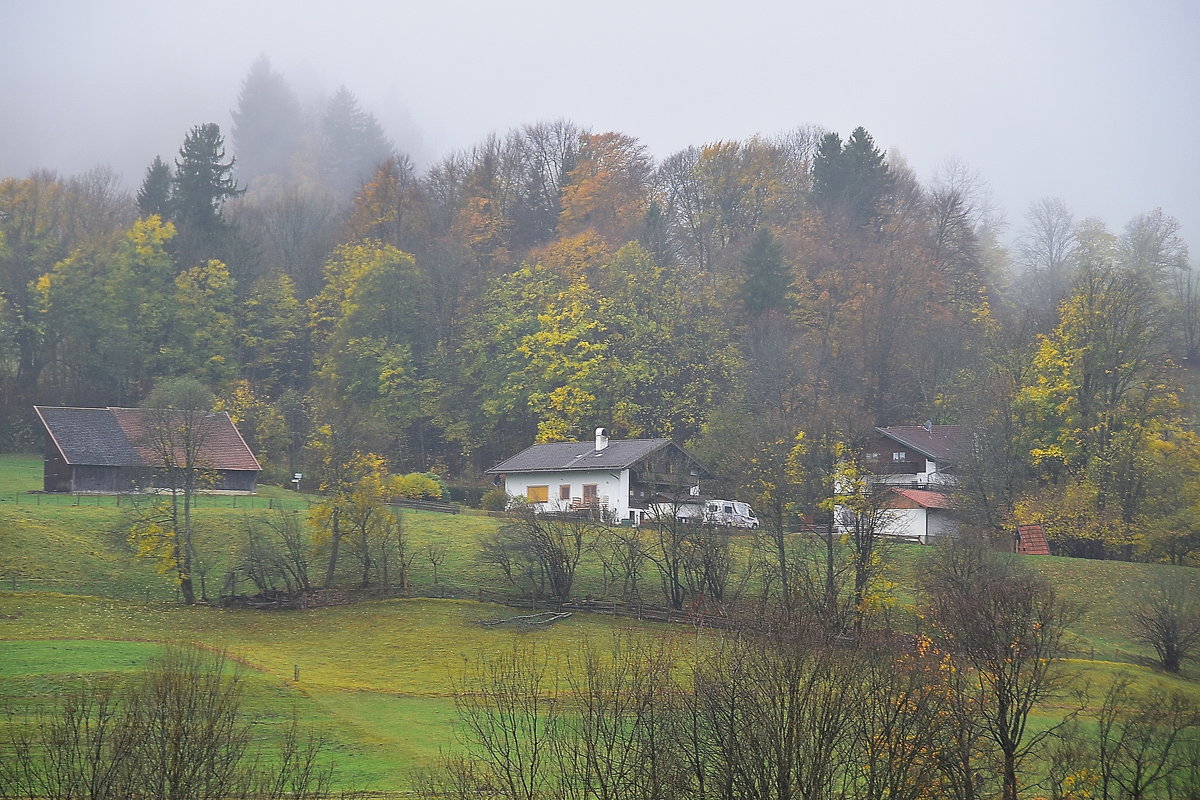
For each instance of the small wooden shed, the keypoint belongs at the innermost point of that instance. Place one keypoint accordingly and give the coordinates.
(108, 450)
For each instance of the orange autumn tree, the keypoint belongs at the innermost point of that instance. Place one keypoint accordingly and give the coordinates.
(606, 191)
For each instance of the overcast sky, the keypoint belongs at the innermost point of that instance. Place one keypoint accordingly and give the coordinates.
(1093, 101)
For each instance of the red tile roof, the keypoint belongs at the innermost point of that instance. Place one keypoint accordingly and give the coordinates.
(1031, 540)
(925, 498)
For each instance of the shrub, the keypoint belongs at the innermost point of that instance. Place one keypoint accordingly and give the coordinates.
(418, 486)
(494, 500)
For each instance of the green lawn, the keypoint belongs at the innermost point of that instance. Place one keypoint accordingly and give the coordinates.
(376, 678)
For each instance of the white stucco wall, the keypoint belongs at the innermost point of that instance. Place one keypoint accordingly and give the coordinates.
(906, 523)
(611, 487)
(920, 524)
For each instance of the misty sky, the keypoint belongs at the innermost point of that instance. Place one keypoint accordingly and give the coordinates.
(1093, 101)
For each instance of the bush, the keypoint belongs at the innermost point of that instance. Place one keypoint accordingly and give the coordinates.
(419, 486)
(177, 730)
(443, 492)
(467, 495)
(494, 500)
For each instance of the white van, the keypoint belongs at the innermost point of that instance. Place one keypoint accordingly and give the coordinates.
(730, 512)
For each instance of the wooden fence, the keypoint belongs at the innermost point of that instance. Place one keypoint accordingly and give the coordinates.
(249, 502)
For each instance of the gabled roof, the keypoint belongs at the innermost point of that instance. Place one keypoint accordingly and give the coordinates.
(566, 456)
(925, 498)
(123, 437)
(938, 442)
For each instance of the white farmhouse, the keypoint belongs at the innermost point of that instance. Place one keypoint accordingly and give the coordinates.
(912, 471)
(620, 480)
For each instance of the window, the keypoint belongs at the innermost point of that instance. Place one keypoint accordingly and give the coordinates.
(590, 492)
(872, 456)
(537, 494)
(900, 456)
(564, 491)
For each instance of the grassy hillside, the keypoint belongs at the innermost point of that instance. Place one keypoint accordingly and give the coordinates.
(376, 677)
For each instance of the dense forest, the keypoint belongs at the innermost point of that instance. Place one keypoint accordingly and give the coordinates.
(738, 296)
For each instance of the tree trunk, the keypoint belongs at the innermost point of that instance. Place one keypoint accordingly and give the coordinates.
(785, 584)
(830, 587)
(1010, 777)
(334, 542)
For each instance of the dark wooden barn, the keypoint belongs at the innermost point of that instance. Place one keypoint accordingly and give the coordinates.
(129, 449)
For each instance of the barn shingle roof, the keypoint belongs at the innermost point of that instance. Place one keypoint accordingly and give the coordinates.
(123, 437)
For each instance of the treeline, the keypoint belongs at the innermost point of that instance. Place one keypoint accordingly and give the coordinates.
(781, 710)
(554, 279)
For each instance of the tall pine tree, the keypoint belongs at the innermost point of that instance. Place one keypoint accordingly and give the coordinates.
(267, 123)
(767, 281)
(203, 182)
(154, 196)
(852, 181)
(353, 144)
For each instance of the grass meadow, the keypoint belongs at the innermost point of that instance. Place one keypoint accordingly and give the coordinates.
(376, 678)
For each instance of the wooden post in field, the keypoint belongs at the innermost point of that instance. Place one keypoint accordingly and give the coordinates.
(296, 673)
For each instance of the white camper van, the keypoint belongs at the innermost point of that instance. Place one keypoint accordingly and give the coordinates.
(730, 512)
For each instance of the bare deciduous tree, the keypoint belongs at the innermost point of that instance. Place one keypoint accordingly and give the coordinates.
(1169, 621)
(539, 553)
(511, 719)
(177, 732)
(1141, 739)
(1005, 624)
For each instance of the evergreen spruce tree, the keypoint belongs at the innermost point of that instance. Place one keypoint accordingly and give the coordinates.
(154, 196)
(767, 280)
(267, 123)
(353, 144)
(852, 180)
(868, 179)
(828, 180)
(203, 182)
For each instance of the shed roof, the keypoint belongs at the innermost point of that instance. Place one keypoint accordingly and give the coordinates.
(925, 498)
(567, 456)
(1031, 540)
(124, 437)
(938, 442)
